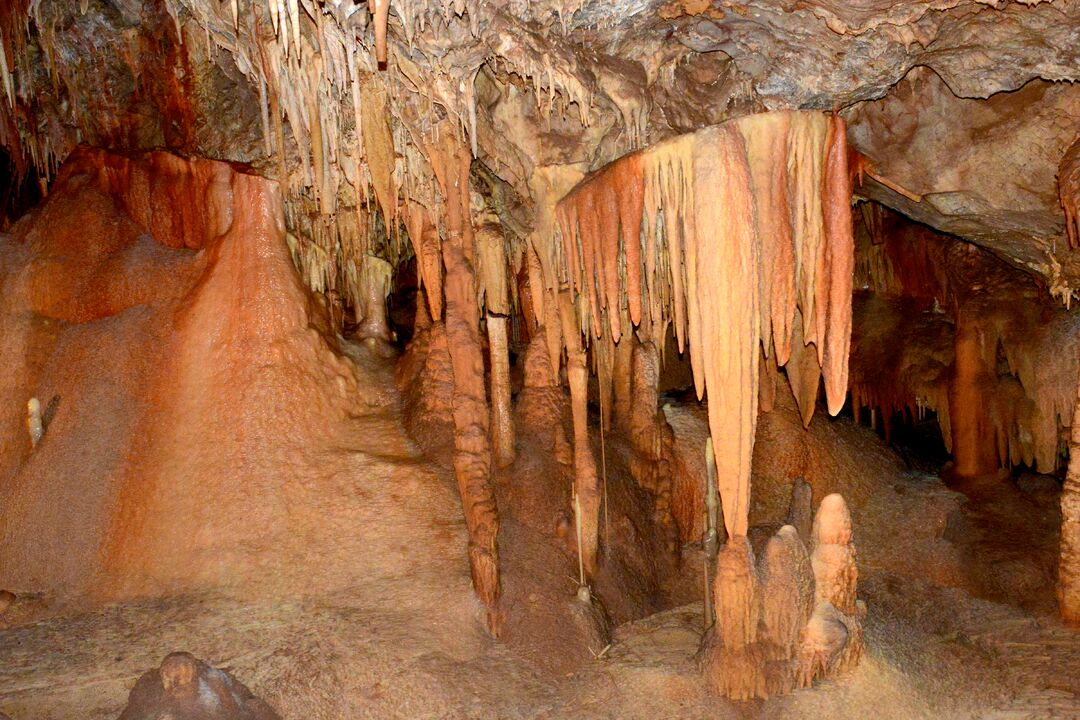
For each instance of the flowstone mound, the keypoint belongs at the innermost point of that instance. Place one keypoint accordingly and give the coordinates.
(152, 304)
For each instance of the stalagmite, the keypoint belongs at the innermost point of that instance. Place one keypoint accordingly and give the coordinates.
(621, 382)
(375, 283)
(651, 438)
(734, 666)
(34, 424)
(787, 603)
(790, 619)
(801, 510)
(541, 403)
(833, 558)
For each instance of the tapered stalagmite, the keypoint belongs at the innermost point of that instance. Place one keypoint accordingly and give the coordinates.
(801, 510)
(832, 641)
(375, 285)
(833, 555)
(651, 437)
(787, 603)
(734, 664)
(472, 450)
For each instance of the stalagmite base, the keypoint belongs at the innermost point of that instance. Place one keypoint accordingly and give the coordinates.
(791, 618)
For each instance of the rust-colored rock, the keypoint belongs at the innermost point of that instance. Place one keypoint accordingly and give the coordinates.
(184, 687)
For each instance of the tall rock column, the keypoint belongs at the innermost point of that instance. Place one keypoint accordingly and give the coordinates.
(491, 248)
(1069, 568)
(586, 480)
(973, 446)
(472, 449)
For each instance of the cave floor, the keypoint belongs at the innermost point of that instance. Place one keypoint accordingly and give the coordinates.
(407, 641)
(932, 652)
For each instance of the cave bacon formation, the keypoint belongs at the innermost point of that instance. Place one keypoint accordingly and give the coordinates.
(738, 240)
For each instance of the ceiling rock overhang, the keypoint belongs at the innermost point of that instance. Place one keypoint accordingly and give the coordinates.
(543, 83)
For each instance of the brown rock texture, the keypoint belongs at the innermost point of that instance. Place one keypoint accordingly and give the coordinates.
(185, 688)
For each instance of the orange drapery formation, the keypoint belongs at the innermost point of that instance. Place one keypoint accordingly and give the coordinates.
(720, 235)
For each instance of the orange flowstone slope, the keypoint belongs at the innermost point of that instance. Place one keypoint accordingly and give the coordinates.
(183, 373)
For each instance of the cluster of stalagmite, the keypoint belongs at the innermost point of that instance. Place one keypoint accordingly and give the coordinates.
(791, 617)
(734, 238)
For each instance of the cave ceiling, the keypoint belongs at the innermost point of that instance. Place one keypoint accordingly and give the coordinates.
(968, 106)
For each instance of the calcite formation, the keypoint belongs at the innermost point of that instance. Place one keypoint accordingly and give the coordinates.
(982, 349)
(791, 617)
(660, 212)
(139, 333)
(580, 186)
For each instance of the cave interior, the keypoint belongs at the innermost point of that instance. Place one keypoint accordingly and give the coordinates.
(539, 359)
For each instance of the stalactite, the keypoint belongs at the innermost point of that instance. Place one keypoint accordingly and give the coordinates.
(380, 11)
(806, 159)
(839, 233)
(803, 373)
(379, 148)
(1069, 191)
(769, 378)
(713, 218)
(766, 138)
